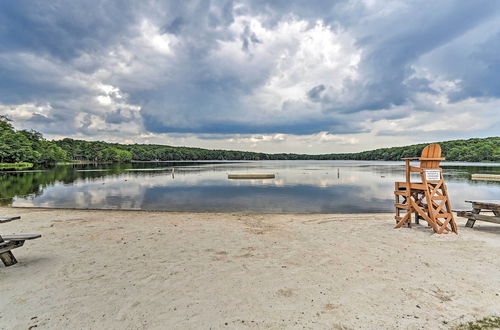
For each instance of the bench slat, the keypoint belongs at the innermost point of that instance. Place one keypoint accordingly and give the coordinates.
(21, 237)
(7, 219)
(481, 217)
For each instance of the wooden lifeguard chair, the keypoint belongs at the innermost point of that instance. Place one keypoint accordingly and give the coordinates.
(427, 199)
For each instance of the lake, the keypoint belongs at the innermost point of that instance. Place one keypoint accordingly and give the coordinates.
(299, 186)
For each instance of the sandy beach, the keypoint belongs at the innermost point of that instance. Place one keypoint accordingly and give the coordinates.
(161, 270)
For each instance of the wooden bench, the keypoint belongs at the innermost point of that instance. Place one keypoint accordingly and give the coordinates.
(10, 242)
(479, 206)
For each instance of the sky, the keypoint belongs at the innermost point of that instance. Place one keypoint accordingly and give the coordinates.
(308, 76)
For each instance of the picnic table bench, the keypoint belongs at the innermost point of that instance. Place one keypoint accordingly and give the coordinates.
(479, 206)
(8, 219)
(10, 242)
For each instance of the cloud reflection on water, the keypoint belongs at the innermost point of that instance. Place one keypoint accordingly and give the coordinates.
(326, 186)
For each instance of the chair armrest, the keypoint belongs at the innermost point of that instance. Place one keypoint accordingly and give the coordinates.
(410, 158)
(415, 169)
(437, 158)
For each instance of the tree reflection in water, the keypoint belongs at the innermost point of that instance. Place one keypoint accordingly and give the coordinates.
(300, 186)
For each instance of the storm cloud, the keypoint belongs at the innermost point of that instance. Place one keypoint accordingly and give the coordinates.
(180, 71)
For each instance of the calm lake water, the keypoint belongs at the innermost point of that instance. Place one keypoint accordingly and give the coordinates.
(299, 186)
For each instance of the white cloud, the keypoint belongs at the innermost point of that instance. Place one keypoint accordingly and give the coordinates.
(160, 42)
(338, 139)
(285, 62)
(257, 138)
(26, 111)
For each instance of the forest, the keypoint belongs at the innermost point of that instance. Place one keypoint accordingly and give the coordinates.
(23, 146)
(29, 146)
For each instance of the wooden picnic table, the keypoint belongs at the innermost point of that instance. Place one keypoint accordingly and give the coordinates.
(479, 206)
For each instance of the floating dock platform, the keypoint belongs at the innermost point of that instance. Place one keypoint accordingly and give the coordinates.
(251, 176)
(494, 177)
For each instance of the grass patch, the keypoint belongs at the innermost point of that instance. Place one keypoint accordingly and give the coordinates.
(490, 322)
(15, 166)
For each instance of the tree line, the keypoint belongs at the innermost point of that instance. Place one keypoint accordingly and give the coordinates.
(26, 146)
(31, 146)
(471, 150)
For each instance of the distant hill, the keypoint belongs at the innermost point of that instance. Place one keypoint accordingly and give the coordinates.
(30, 146)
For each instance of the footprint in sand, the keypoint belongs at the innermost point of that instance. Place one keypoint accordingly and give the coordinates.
(285, 292)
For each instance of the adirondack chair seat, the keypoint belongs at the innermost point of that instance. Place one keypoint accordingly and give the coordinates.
(401, 186)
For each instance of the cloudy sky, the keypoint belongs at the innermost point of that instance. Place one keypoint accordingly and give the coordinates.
(309, 76)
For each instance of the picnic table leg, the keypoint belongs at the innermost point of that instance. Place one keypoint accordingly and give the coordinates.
(8, 258)
(471, 221)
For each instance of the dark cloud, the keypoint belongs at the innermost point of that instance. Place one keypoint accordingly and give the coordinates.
(235, 127)
(248, 38)
(117, 117)
(63, 29)
(481, 77)
(391, 47)
(40, 119)
(175, 26)
(244, 67)
(315, 93)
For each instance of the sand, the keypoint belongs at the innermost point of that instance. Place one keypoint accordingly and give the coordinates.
(160, 270)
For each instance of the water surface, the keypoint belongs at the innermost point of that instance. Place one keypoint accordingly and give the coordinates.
(299, 186)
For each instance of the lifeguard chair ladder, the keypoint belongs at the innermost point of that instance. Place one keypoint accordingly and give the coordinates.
(427, 199)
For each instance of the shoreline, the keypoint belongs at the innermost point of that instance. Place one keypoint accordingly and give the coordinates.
(108, 269)
(180, 211)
